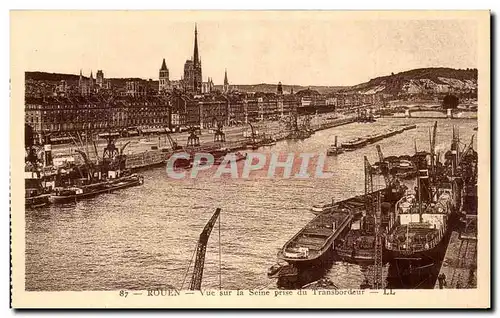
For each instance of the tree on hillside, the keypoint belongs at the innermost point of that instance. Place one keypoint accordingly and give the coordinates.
(450, 101)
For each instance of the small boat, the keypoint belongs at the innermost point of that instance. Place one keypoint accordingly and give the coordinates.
(238, 157)
(321, 208)
(74, 193)
(253, 146)
(275, 270)
(323, 283)
(269, 143)
(147, 142)
(409, 127)
(403, 169)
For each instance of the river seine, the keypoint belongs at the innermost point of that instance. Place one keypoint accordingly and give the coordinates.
(144, 237)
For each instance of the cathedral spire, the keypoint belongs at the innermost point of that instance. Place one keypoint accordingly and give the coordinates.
(225, 77)
(195, 54)
(163, 66)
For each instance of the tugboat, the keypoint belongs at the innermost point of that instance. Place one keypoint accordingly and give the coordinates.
(81, 190)
(36, 195)
(334, 149)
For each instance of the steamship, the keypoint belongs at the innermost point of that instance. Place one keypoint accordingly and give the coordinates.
(422, 220)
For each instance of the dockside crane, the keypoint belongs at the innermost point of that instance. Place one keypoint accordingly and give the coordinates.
(201, 248)
(377, 276)
(384, 166)
(219, 135)
(368, 188)
(253, 136)
(193, 139)
(173, 144)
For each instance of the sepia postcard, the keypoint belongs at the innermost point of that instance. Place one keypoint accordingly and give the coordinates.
(250, 159)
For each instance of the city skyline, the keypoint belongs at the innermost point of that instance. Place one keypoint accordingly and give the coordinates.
(291, 50)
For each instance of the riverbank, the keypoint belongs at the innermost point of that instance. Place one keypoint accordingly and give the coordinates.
(140, 157)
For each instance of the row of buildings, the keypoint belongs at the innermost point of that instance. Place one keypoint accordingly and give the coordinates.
(63, 116)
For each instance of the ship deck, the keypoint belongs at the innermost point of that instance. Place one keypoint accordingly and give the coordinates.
(319, 234)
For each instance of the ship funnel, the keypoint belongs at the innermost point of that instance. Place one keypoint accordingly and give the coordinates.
(424, 190)
(47, 153)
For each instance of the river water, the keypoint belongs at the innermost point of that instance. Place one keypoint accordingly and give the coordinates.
(144, 237)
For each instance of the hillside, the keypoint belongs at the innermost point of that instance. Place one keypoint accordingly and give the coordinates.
(423, 80)
(420, 80)
(52, 77)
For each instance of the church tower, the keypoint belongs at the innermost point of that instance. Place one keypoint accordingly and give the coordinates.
(225, 89)
(279, 90)
(164, 84)
(192, 69)
(197, 63)
(91, 80)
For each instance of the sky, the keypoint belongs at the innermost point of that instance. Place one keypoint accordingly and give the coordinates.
(301, 48)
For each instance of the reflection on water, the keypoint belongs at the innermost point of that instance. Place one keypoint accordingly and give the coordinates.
(144, 237)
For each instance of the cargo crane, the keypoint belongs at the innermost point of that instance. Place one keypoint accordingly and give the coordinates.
(173, 144)
(201, 248)
(368, 188)
(193, 139)
(219, 135)
(113, 158)
(253, 137)
(377, 276)
(384, 166)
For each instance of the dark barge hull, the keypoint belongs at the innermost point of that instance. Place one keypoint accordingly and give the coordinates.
(37, 201)
(354, 146)
(76, 197)
(351, 207)
(359, 256)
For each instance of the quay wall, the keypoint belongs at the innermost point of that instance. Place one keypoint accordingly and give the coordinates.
(459, 268)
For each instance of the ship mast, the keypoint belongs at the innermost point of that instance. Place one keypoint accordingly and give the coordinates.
(419, 190)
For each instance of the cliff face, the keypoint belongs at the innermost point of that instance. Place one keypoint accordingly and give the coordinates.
(425, 80)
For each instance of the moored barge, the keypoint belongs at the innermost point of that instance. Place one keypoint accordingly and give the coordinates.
(311, 244)
(78, 192)
(354, 143)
